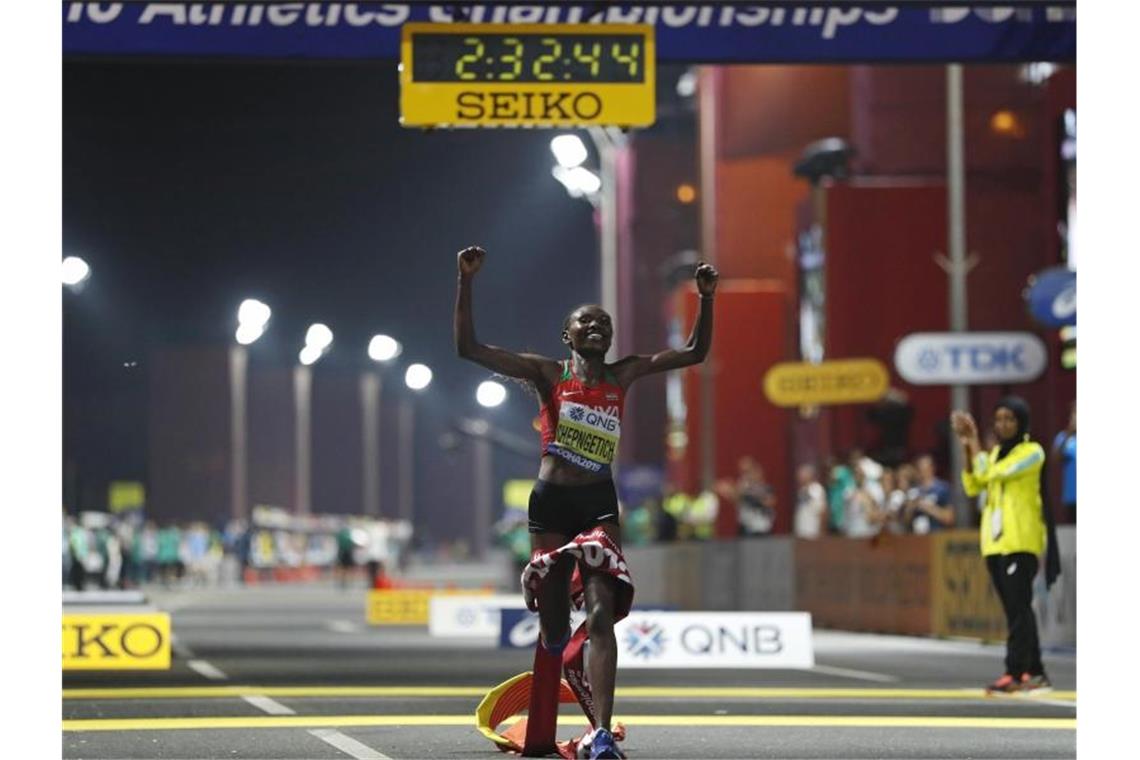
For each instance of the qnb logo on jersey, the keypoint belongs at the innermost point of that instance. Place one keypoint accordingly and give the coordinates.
(603, 420)
(645, 640)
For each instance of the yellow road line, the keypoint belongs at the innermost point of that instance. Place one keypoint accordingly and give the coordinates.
(651, 692)
(783, 721)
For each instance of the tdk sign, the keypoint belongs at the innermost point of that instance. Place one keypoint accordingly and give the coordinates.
(980, 358)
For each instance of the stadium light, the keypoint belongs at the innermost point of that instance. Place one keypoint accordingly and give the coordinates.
(588, 182)
(254, 313)
(568, 150)
(247, 333)
(417, 377)
(309, 354)
(318, 336)
(384, 348)
(75, 271)
(490, 394)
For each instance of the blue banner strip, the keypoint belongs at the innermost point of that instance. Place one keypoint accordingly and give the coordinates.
(696, 33)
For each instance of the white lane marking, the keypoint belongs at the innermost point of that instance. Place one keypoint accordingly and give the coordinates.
(180, 649)
(203, 668)
(343, 626)
(271, 706)
(1027, 699)
(347, 744)
(863, 675)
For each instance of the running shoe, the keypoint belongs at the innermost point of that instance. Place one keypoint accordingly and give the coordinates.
(1007, 684)
(1038, 684)
(603, 746)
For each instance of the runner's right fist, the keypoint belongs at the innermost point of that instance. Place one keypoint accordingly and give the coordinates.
(470, 259)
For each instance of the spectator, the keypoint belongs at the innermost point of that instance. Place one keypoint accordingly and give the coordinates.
(637, 524)
(147, 552)
(1065, 449)
(930, 510)
(345, 554)
(839, 481)
(196, 547)
(673, 506)
(755, 499)
(858, 460)
(892, 415)
(1013, 531)
(168, 555)
(811, 504)
(896, 484)
(77, 548)
(863, 506)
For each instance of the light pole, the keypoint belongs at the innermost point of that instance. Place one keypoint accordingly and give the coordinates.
(318, 338)
(253, 316)
(382, 349)
(417, 377)
(600, 191)
(490, 395)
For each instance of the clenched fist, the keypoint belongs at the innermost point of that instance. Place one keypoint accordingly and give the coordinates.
(470, 260)
(706, 277)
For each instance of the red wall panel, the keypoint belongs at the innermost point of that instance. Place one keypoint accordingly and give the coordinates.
(883, 283)
(749, 336)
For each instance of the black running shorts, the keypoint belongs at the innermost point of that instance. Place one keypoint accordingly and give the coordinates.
(569, 510)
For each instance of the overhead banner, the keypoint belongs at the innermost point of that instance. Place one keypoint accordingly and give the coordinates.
(840, 381)
(694, 33)
(979, 358)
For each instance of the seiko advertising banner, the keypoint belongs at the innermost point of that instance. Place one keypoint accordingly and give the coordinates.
(715, 640)
(764, 32)
(116, 641)
(981, 358)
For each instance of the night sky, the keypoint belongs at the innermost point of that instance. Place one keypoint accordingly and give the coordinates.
(190, 186)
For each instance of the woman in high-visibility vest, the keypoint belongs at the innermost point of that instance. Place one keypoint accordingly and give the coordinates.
(1013, 531)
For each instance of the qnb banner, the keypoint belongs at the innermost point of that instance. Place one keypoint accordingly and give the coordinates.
(980, 358)
(715, 640)
(113, 641)
(697, 33)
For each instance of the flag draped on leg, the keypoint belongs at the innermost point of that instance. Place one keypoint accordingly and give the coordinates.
(541, 690)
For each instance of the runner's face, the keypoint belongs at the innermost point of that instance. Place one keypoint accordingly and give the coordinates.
(589, 331)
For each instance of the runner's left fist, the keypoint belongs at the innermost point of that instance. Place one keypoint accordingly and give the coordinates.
(706, 277)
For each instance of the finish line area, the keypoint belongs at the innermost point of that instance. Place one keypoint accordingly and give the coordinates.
(259, 673)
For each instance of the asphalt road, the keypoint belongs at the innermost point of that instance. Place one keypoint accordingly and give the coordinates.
(294, 672)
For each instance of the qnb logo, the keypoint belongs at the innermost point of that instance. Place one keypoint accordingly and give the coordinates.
(719, 640)
(577, 413)
(645, 640)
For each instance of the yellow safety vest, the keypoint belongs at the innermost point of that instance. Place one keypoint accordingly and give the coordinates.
(1011, 520)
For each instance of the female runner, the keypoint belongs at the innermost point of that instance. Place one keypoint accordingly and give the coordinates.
(581, 402)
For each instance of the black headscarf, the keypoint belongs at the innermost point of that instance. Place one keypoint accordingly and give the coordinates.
(1020, 410)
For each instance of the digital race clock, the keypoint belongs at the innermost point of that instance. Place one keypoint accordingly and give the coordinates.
(527, 75)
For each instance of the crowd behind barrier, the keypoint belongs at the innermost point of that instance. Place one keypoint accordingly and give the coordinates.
(934, 584)
(105, 551)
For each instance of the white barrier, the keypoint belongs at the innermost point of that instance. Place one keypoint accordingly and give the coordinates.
(715, 640)
(470, 616)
